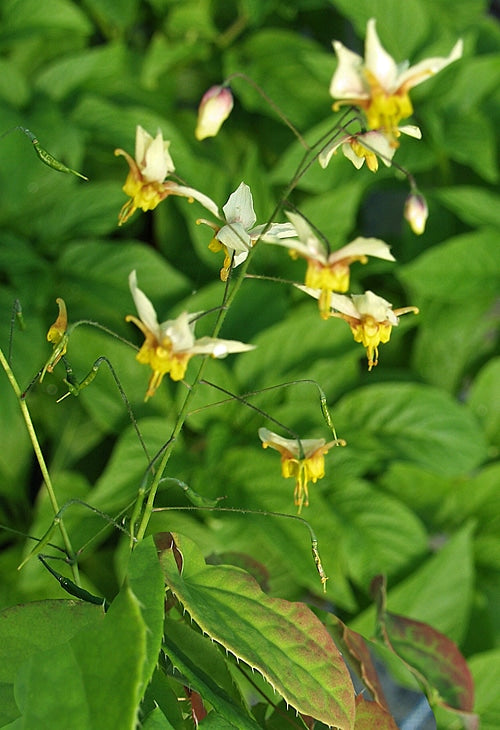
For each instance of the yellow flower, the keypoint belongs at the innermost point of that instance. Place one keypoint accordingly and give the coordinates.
(169, 346)
(303, 459)
(215, 107)
(146, 184)
(57, 335)
(377, 84)
(370, 317)
(366, 147)
(239, 233)
(328, 271)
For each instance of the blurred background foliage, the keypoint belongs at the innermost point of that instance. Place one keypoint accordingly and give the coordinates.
(415, 493)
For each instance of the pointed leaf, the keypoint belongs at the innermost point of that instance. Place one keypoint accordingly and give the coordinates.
(284, 641)
(204, 670)
(371, 715)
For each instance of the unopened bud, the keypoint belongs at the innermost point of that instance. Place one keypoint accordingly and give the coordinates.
(416, 212)
(214, 109)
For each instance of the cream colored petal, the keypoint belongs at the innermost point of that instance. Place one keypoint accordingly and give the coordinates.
(430, 66)
(356, 160)
(218, 348)
(180, 332)
(338, 302)
(378, 307)
(276, 230)
(154, 167)
(348, 81)
(309, 446)
(377, 60)
(145, 309)
(142, 141)
(239, 207)
(379, 143)
(326, 153)
(411, 130)
(186, 192)
(363, 247)
(316, 249)
(235, 237)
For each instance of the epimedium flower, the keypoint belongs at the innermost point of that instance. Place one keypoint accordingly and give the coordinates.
(215, 107)
(377, 84)
(146, 184)
(169, 346)
(328, 271)
(366, 147)
(57, 335)
(303, 459)
(237, 236)
(370, 317)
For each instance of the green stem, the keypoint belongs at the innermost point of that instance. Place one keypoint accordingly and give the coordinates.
(228, 298)
(41, 461)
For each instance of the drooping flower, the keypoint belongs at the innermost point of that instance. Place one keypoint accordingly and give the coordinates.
(328, 272)
(237, 236)
(377, 84)
(215, 107)
(370, 317)
(368, 146)
(57, 335)
(416, 212)
(169, 346)
(303, 459)
(146, 184)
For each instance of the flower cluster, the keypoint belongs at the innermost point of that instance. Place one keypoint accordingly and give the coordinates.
(379, 88)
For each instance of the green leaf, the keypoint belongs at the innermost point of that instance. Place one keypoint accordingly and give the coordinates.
(461, 267)
(436, 593)
(29, 630)
(98, 673)
(485, 669)
(284, 641)
(473, 205)
(24, 16)
(411, 422)
(484, 400)
(374, 532)
(401, 27)
(206, 672)
(451, 339)
(156, 720)
(431, 655)
(145, 579)
(370, 715)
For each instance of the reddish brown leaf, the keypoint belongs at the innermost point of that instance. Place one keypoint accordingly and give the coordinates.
(370, 715)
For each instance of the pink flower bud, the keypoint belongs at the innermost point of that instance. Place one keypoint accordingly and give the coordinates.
(416, 212)
(214, 109)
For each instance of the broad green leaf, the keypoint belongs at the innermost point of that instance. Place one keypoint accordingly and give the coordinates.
(477, 150)
(145, 579)
(156, 720)
(94, 280)
(99, 674)
(473, 205)
(370, 715)
(461, 267)
(21, 16)
(31, 629)
(436, 593)
(345, 202)
(484, 400)
(433, 657)
(205, 671)
(411, 422)
(294, 70)
(284, 641)
(13, 86)
(485, 669)
(401, 27)
(374, 532)
(451, 339)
